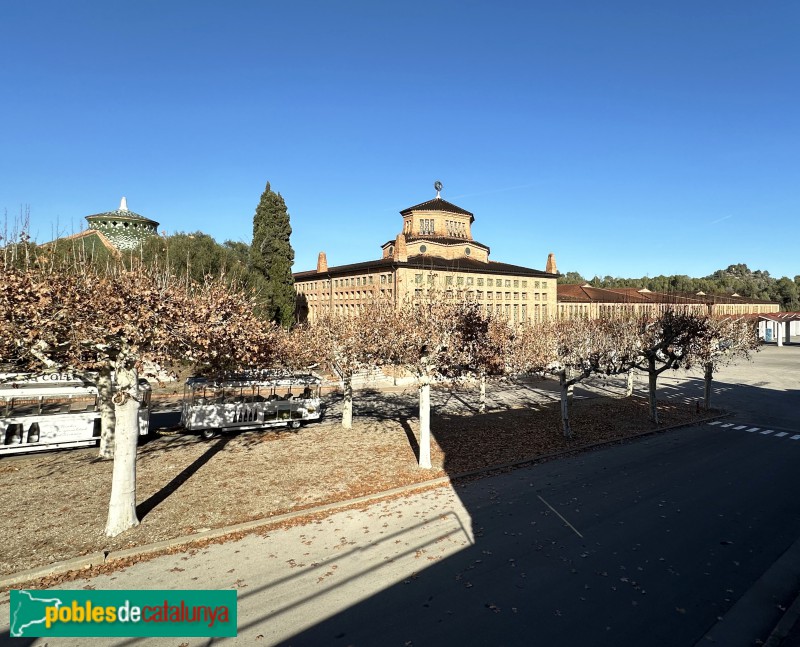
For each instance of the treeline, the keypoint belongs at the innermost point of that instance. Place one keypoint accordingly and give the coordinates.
(738, 279)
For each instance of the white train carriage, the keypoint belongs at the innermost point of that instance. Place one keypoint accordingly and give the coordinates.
(54, 411)
(253, 401)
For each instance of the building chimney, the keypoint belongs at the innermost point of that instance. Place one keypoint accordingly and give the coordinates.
(400, 251)
(322, 263)
(551, 264)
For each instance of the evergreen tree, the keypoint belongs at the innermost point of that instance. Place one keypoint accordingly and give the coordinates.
(272, 256)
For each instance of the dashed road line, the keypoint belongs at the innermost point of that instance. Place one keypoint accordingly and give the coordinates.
(762, 432)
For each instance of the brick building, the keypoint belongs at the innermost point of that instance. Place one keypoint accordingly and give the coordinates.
(434, 251)
(587, 301)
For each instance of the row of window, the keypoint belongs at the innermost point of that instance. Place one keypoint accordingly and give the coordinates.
(602, 310)
(455, 229)
(426, 226)
(349, 282)
(419, 279)
(350, 294)
(469, 280)
(489, 296)
(513, 312)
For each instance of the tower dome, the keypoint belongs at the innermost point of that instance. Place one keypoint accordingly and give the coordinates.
(124, 228)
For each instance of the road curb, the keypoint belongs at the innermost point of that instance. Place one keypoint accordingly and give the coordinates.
(741, 623)
(785, 625)
(86, 562)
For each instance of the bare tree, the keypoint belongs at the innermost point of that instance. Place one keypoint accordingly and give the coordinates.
(423, 339)
(586, 347)
(72, 317)
(353, 342)
(728, 340)
(666, 341)
(480, 348)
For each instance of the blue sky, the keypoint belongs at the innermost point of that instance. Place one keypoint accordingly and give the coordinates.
(631, 138)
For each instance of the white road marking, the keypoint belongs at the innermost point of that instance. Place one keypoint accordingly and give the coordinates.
(797, 437)
(560, 517)
(766, 431)
(730, 424)
(716, 422)
(739, 427)
(753, 429)
(781, 434)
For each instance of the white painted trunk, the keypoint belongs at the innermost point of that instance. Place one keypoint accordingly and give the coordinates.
(122, 505)
(107, 420)
(347, 404)
(629, 384)
(482, 401)
(425, 425)
(565, 404)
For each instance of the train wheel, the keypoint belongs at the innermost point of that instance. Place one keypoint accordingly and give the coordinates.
(208, 434)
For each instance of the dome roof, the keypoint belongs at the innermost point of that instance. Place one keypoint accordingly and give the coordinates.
(123, 213)
(438, 204)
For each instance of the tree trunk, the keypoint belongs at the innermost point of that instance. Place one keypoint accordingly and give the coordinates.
(106, 407)
(482, 400)
(425, 425)
(709, 375)
(565, 404)
(652, 376)
(347, 405)
(629, 383)
(122, 506)
(570, 387)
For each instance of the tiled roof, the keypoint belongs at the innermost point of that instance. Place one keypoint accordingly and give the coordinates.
(425, 262)
(722, 298)
(780, 316)
(121, 214)
(444, 240)
(588, 294)
(437, 204)
(89, 233)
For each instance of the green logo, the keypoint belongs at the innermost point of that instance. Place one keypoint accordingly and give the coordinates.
(122, 613)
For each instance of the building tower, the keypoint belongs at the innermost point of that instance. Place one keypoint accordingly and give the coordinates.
(124, 228)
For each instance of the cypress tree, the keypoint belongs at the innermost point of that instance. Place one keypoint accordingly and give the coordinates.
(272, 256)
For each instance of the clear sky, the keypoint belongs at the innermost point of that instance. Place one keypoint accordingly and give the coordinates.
(629, 137)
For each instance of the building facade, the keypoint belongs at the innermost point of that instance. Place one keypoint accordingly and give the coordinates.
(435, 253)
(591, 302)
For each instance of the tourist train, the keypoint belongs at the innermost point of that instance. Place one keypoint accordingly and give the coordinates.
(53, 411)
(253, 400)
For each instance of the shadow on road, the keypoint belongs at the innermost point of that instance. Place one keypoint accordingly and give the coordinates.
(596, 549)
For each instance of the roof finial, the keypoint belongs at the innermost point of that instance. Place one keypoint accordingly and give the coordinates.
(438, 186)
(123, 204)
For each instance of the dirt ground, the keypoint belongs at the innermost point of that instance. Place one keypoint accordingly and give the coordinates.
(54, 505)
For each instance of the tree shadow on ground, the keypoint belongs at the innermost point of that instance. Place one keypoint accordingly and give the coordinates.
(557, 553)
(147, 506)
(585, 549)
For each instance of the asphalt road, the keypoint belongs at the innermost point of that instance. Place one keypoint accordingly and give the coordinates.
(671, 540)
